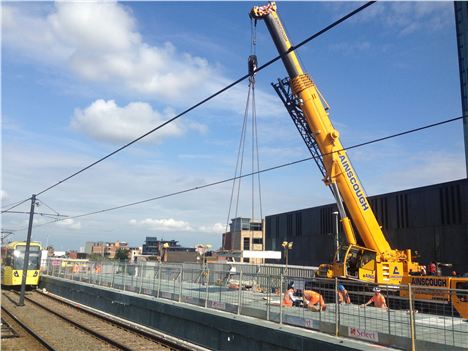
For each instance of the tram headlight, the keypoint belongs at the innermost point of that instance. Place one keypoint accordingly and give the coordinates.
(16, 253)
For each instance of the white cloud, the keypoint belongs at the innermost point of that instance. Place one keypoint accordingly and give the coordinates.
(168, 224)
(99, 43)
(404, 17)
(105, 120)
(350, 48)
(173, 225)
(425, 168)
(69, 223)
(217, 228)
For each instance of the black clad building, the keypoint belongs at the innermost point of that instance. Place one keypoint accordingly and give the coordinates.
(432, 220)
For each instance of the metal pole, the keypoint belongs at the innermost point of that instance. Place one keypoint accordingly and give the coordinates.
(124, 276)
(26, 253)
(337, 308)
(113, 273)
(281, 302)
(181, 281)
(268, 298)
(337, 237)
(239, 297)
(451, 307)
(207, 292)
(154, 280)
(413, 344)
(159, 279)
(388, 314)
(101, 272)
(141, 277)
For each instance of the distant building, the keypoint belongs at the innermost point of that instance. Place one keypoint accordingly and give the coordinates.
(153, 246)
(76, 255)
(133, 252)
(181, 254)
(89, 247)
(245, 235)
(107, 249)
(150, 247)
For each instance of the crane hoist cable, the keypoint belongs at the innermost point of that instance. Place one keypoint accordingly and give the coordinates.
(255, 159)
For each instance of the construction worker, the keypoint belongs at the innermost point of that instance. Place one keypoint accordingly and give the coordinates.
(314, 301)
(76, 268)
(289, 298)
(432, 268)
(423, 270)
(378, 299)
(343, 296)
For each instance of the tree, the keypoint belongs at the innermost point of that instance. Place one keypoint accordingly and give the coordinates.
(95, 257)
(121, 254)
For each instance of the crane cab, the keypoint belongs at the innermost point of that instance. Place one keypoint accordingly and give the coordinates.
(360, 263)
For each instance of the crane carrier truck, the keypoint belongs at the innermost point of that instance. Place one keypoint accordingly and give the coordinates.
(375, 261)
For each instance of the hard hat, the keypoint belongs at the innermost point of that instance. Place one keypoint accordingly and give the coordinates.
(341, 287)
(376, 289)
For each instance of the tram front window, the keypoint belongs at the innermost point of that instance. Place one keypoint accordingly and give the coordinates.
(34, 257)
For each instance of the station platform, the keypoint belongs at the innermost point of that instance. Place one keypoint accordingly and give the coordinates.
(207, 327)
(210, 317)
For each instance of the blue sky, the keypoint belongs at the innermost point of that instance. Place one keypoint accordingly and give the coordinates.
(80, 80)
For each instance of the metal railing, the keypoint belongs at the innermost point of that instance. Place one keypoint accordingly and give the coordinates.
(258, 291)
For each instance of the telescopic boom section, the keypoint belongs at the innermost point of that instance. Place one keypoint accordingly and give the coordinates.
(338, 167)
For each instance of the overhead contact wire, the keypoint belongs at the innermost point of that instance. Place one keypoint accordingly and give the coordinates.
(257, 172)
(16, 205)
(324, 30)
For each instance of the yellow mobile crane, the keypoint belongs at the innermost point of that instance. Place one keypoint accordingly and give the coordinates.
(376, 261)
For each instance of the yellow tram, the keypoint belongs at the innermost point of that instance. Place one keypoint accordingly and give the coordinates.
(13, 261)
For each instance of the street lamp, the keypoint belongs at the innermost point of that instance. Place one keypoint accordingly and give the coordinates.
(286, 247)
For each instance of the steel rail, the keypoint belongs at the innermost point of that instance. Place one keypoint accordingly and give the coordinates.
(156, 338)
(82, 327)
(29, 330)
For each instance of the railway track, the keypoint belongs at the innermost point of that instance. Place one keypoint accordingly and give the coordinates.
(49, 331)
(18, 336)
(115, 333)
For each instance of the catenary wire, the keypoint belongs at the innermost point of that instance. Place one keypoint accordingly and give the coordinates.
(50, 208)
(38, 213)
(322, 31)
(16, 205)
(256, 172)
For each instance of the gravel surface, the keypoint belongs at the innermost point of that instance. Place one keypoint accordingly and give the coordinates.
(124, 336)
(58, 333)
(15, 338)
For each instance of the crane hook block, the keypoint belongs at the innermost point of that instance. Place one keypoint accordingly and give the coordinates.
(252, 64)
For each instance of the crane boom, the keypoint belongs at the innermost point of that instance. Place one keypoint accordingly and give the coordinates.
(337, 164)
(376, 261)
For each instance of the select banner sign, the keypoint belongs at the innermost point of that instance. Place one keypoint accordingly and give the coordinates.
(363, 334)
